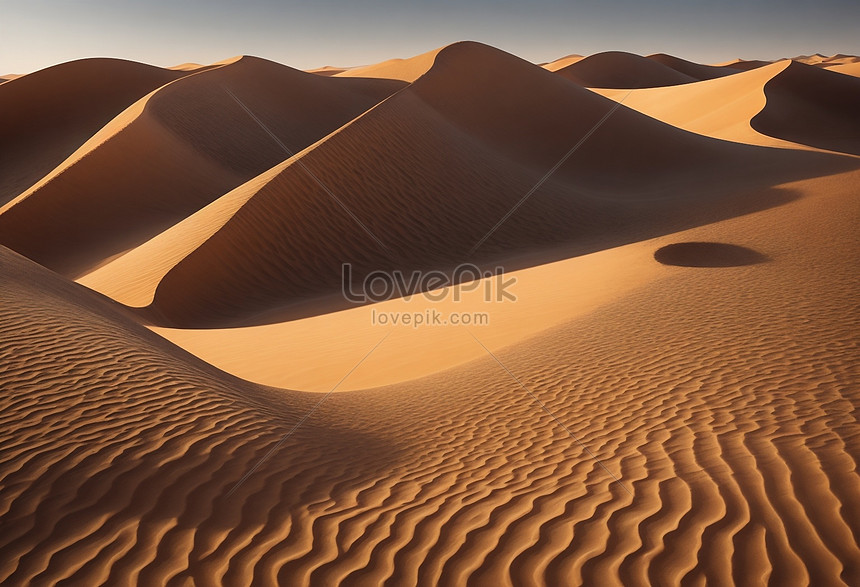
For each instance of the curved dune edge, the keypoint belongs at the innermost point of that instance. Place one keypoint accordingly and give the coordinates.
(721, 108)
(697, 71)
(133, 278)
(721, 412)
(812, 106)
(407, 70)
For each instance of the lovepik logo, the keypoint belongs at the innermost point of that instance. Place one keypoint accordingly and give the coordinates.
(379, 286)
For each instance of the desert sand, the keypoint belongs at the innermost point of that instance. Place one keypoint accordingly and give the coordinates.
(188, 398)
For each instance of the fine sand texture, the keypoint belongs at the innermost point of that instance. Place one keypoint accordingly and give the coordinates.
(669, 397)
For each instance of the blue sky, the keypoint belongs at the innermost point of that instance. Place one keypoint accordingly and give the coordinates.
(38, 33)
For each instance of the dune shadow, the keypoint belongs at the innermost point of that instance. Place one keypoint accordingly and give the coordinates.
(708, 254)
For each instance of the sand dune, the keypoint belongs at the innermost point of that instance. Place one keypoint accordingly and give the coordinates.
(820, 60)
(718, 401)
(256, 262)
(846, 68)
(672, 399)
(743, 64)
(407, 70)
(694, 70)
(616, 69)
(720, 108)
(174, 152)
(46, 115)
(784, 104)
(562, 62)
(300, 354)
(327, 70)
(814, 107)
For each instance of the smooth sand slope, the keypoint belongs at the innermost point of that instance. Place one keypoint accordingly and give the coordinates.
(720, 403)
(46, 115)
(172, 153)
(430, 171)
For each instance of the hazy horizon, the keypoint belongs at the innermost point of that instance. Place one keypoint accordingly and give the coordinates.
(37, 34)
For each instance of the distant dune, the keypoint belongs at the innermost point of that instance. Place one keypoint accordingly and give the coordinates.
(694, 70)
(846, 68)
(667, 397)
(744, 64)
(327, 70)
(562, 62)
(615, 69)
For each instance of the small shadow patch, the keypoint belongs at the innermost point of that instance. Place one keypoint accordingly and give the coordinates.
(701, 254)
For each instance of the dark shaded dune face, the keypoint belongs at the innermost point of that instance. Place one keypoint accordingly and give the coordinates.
(812, 106)
(703, 254)
(616, 69)
(46, 115)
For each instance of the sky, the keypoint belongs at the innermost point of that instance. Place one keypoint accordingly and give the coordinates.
(39, 33)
